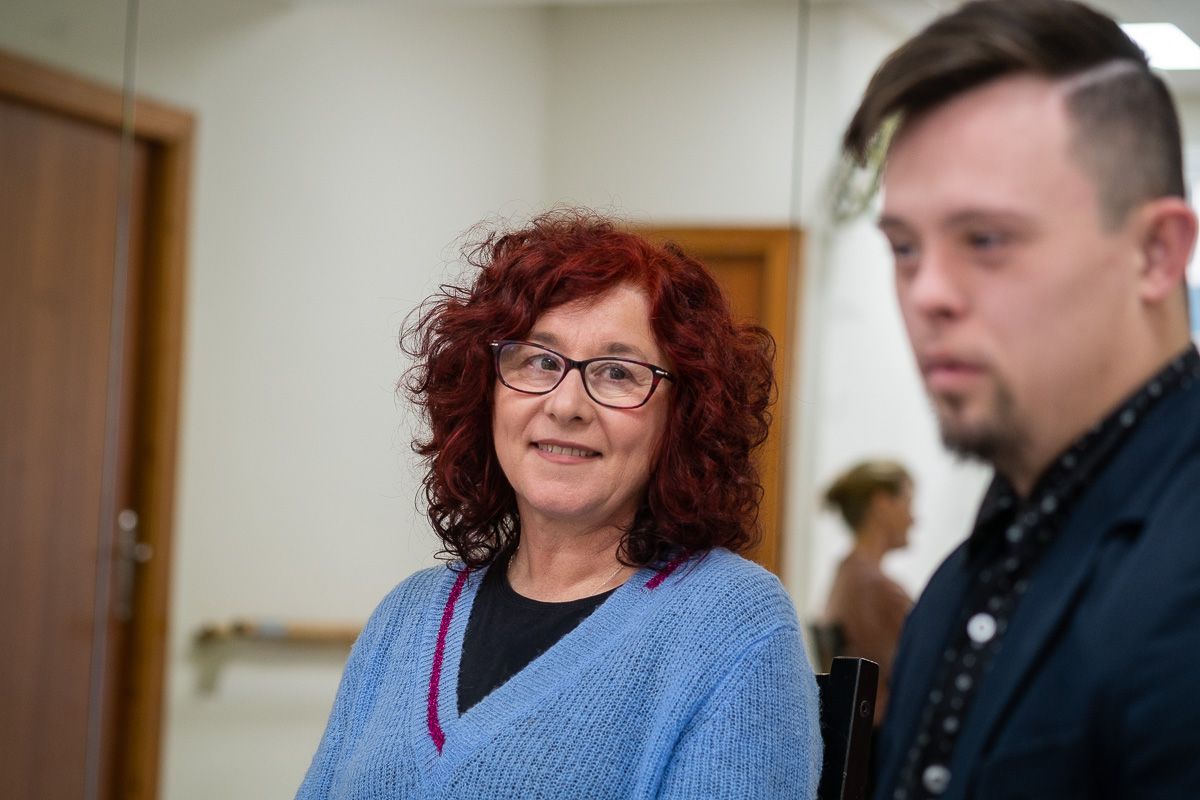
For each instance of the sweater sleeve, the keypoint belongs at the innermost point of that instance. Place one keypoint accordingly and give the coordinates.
(758, 734)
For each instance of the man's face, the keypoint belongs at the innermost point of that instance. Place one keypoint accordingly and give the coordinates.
(1014, 293)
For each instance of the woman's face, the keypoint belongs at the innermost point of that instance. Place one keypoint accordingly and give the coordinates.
(569, 459)
(898, 515)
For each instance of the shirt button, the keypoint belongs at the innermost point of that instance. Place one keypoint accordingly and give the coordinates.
(935, 778)
(981, 628)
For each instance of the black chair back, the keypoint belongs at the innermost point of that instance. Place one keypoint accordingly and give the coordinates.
(847, 714)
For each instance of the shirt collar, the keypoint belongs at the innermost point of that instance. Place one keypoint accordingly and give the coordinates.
(1079, 464)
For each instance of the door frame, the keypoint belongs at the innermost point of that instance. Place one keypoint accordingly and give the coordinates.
(169, 133)
(778, 252)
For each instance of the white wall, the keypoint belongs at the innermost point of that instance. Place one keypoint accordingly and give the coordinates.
(340, 151)
(675, 113)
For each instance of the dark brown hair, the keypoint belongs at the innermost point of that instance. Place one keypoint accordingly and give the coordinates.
(1126, 128)
(852, 491)
(704, 489)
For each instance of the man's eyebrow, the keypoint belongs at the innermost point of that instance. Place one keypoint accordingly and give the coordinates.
(958, 219)
(972, 216)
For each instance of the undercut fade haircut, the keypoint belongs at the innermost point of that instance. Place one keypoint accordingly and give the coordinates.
(1126, 130)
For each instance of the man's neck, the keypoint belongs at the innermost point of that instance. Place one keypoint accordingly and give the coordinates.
(1028, 460)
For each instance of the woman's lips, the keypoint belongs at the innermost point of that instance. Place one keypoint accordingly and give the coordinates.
(565, 451)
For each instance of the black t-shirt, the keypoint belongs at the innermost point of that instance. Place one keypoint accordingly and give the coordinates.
(507, 631)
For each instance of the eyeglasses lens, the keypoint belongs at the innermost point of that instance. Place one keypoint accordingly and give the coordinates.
(615, 382)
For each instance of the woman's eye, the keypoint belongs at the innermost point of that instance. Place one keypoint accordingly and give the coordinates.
(540, 363)
(612, 373)
(615, 372)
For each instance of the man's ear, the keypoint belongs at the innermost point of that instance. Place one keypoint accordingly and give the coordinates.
(1168, 234)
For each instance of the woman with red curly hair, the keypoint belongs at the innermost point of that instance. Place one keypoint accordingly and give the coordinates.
(592, 410)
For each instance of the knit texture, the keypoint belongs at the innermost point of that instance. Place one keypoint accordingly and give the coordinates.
(688, 684)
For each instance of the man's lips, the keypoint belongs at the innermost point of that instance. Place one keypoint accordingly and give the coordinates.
(948, 374)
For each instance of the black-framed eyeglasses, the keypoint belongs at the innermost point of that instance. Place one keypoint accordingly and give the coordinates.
(609, 380)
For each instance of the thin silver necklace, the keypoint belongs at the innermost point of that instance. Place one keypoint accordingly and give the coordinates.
(590, 592)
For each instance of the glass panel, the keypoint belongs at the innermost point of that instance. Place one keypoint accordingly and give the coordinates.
(63, 260)
(84, 37)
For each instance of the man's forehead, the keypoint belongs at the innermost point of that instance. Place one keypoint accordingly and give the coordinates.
(989, 111)
(1003, 147)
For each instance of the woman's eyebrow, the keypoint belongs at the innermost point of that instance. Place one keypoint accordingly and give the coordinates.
(613, 348)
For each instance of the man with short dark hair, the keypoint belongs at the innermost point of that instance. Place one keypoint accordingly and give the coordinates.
(1033, 201)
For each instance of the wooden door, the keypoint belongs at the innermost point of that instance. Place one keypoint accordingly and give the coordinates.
(758, 268)
(83, 402)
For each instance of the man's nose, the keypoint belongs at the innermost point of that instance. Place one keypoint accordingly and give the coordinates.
(934, 287)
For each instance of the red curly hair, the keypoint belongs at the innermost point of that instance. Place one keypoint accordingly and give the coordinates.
(704, 490)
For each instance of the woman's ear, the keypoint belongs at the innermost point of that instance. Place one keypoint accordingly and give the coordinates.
(1167, 237)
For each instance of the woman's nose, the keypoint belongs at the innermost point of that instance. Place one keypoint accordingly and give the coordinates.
(569, 400)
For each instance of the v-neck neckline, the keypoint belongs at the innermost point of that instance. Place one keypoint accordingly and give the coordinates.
(464, 734)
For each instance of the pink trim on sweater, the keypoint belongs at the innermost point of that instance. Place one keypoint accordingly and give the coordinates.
(435, 675)
(657, 578)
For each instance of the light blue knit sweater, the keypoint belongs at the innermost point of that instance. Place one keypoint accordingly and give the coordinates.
(688, 682)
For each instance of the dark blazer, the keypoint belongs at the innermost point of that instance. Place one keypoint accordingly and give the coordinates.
(1095, 691)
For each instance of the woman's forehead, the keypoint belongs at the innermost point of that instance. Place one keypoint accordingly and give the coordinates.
(615, 322)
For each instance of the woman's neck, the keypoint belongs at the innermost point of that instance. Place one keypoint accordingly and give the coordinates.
(557, 566)
(871, 544)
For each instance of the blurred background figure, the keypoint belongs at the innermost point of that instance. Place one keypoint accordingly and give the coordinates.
(866, 608)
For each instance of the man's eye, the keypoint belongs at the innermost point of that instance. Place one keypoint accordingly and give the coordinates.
(986, 240)
(904, 254)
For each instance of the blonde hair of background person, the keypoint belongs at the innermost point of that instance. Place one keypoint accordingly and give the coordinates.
(875, 499)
